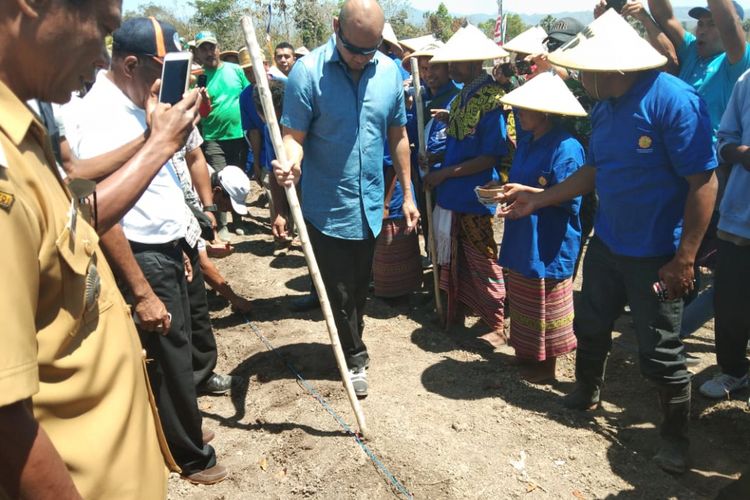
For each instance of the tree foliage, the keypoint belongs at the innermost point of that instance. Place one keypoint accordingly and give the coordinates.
(313, 21)
(440, 23)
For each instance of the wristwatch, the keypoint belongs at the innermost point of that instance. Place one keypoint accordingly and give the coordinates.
(210, 208)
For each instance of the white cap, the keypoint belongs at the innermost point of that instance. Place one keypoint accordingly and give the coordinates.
(468, 44)
(546, 93)
(236, 184)
(608, 44)
(528, 42)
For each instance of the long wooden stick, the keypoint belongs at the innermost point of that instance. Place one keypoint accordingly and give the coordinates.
(428, 192)
(291, 196)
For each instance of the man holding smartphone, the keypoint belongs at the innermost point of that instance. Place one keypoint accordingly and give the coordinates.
(111, 114)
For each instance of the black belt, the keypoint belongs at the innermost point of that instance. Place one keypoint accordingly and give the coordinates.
(170, 246)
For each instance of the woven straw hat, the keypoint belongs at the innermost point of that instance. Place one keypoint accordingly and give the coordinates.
(389, 35)
(418, 42)
(426, 51)
(608, 44)
(546, 93)
(468, 44)
(528, 42)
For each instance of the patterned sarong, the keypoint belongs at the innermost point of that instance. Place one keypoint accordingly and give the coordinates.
(541, 316)
(396, 267)
(473, 276)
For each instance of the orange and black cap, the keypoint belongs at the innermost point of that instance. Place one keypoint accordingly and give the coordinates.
(146, 36)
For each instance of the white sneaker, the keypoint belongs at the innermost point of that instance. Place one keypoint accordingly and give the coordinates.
(722, 385)
(358, 377)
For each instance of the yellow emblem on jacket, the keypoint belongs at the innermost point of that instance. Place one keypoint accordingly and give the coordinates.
(645, 142)
(542, 181)
(6, 200)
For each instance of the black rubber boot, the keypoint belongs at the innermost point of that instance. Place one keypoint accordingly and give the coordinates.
(674, 453)
(589, 381)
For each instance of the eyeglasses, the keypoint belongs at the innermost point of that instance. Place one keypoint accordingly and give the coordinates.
(358, 50)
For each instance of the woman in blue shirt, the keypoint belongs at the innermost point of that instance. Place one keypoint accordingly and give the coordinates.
(539, 252)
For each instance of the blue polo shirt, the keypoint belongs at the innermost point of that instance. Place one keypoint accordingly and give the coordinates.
(643, 144)
(487, 139)
(713, 78)
(346, 124)
(545, 244)
(436, 134)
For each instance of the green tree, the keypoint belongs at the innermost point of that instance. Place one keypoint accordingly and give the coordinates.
(488, 28)
(314, 21)
(514, 26)
(402, 27)
(223, 18)
(182, 24)
(440, 22)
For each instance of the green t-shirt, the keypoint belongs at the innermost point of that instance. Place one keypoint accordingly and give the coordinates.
(224, 85)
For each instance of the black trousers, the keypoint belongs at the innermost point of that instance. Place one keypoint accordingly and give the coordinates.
(219, 154)
(345, 267)
(203, 340)
(171, 367)
(731, 304)
(609, 282)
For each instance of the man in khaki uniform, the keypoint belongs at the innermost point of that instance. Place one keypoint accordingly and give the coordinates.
(75, 412)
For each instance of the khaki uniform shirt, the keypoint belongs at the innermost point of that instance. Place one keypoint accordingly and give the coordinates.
(68, 341)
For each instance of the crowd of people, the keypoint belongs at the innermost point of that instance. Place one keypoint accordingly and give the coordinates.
(580, 138)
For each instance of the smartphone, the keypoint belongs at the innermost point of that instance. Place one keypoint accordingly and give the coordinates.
(201, 81)
(617, 5)
(175, 76)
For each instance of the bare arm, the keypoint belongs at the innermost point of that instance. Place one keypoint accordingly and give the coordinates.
(663, 14)
(468, 167)
(524, 200)
(736, 154)
(400, 153)
(256, 143)
(100, 166)
(170, 127)
(658, 39)
(287, 175)
(730, 29)
(678, 273)
(201, 180)
(150, 311)
(30, 466)
(216, 281)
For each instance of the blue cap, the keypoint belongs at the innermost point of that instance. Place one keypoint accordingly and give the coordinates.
(698, 12)
(146, 36)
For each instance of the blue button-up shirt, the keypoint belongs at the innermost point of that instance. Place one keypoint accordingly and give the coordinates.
(346, 125)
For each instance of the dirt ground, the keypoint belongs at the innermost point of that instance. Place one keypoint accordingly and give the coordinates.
(447, 422)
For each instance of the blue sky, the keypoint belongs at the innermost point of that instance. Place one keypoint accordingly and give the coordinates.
(465, 6)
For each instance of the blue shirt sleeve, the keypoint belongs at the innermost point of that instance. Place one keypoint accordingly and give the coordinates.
(398, 114)
(688, 136)
(492, 139)
(298, 100)
(248, 113)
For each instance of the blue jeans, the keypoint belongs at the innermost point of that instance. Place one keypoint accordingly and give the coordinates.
(699, 312)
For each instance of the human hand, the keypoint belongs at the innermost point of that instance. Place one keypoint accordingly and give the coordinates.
(411, 215)
(440, 115)
(241, 305)
(151, 315)
(287, 175)
(600, 8)
(635, 10)
(516, 201)
(434, 179)
(679, 276)
(540, 64)
(212, 218)
(188, 267)
(279, 226)
(171, 125)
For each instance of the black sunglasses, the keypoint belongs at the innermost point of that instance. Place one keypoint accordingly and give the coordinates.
(358, 50)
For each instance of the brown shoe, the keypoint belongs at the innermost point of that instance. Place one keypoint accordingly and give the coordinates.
(213, 475)
(540, 372)
(208, 436)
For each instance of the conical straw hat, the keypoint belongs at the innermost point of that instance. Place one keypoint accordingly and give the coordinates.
(390, 36)
(426, 51)
(469, 44)
(546, 93)
(418, 42)
(528, 42)
(608, 44)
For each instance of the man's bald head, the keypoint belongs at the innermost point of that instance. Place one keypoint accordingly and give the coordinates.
(362, 16)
